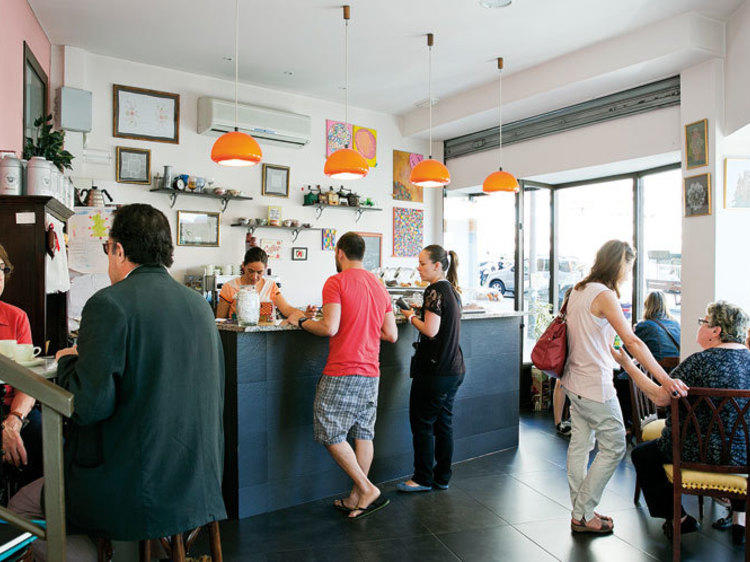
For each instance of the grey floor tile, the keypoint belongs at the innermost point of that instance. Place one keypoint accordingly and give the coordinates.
(497, 543)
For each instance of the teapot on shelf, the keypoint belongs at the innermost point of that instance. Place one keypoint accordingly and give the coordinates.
(94, 197)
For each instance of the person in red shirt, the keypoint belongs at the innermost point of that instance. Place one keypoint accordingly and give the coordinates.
(22, 428)
(357, 314)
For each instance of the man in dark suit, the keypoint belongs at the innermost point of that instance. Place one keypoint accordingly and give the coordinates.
(144, 452)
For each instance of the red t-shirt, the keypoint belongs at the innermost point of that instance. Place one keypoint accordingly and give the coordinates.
(14, 325)
(355, 348)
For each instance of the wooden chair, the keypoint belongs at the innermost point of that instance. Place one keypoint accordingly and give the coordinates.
(723, 480)
(646, 423)
(177, 547)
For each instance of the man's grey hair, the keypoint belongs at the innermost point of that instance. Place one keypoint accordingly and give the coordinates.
(732, 320)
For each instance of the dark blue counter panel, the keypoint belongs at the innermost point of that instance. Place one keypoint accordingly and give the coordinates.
(271, 460)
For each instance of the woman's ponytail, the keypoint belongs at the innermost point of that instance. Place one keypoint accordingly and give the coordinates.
(452, 273)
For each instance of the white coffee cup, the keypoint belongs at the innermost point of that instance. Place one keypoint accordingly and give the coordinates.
(26, 352)
(8, 348)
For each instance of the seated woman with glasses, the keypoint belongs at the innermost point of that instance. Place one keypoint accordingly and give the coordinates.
(22, 428)
(723, 363)
(253, 267)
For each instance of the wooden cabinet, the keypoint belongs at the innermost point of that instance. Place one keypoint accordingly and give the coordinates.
(24, 237)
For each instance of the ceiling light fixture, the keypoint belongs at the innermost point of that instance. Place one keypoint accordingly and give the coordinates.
(495, 3)
(236, 148)
(346, 163)
(500, 180)
(430, 173)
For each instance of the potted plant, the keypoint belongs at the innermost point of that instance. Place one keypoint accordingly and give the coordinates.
(49, 144)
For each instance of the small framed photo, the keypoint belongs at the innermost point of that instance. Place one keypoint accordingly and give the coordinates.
(299, 254)
(697, 195)
(696, 144)
(274, 215)
(143, 114)
(737, 183)
(198, 228)
(275, 180)
(133, 165)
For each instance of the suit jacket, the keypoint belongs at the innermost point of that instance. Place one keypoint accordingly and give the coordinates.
(145, 448)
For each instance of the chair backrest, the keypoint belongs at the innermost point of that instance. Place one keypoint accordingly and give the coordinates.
(668, 363)
(709, 404)
(643, 409)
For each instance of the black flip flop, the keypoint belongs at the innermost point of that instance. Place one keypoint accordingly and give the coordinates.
(339, 504)
(378, 504)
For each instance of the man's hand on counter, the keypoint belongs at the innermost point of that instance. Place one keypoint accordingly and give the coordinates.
(67, 351)
(294, 317)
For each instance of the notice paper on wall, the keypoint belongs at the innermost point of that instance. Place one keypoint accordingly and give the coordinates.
(88, 230)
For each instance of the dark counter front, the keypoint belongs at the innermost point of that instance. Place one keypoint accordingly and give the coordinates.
(271, 460)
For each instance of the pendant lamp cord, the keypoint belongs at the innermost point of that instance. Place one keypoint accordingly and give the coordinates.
(346, 74)
(429, 92)
(236, 56)
(500, 116)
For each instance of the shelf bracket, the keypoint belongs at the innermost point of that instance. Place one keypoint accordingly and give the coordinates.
(295, 233)
(173, 197)
(225, 201)
(318, 212)
(359, 215)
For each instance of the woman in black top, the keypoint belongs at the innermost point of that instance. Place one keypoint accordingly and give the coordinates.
(437, 370)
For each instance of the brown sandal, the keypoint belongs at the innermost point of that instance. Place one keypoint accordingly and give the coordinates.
(580, 527)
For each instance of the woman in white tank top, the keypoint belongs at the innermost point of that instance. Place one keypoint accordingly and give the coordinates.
(594, 316)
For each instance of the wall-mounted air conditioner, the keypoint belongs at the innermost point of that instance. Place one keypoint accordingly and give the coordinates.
(216, 117)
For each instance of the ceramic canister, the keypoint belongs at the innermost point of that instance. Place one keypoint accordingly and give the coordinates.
(39, 177)
(11, 176)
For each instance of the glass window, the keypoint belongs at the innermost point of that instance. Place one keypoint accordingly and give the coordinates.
(481, 230)
(588, 216)
(536, 233)
(662, 237)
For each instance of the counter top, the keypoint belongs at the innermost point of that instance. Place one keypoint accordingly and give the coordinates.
(284, 327)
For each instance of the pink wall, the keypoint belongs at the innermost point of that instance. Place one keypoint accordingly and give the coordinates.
(17, 24)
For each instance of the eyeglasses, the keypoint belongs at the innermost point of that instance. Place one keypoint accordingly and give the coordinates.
(6, 269)
(702, 322)
(105, 247)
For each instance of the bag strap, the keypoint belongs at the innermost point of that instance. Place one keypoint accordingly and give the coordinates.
(670, 336)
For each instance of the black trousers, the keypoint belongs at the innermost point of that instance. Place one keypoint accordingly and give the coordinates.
(656, 487)
(431, 417)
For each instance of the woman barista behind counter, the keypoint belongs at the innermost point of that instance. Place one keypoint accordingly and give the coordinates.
(253, 267)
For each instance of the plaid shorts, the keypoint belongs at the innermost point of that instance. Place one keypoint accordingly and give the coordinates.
(345, 406)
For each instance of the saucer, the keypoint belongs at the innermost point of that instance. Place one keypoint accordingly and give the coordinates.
(33, 363)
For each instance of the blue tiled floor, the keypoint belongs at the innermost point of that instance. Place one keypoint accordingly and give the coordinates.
(511, 505)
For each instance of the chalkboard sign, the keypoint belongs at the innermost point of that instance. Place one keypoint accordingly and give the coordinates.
(373, 250)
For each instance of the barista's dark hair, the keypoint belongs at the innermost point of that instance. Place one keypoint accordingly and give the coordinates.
(5, 259)
(256, 253)
(144, 234)
(353, 246)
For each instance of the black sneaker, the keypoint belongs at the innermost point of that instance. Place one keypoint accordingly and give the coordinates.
(563, 428)
(689, 525)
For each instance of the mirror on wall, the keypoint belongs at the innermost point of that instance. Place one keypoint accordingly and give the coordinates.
(35, 84)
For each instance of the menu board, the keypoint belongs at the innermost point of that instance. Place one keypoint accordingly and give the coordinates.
(373, 250)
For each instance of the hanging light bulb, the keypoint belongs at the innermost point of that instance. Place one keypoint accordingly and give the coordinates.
(500, 180)
(236, 148)
(430, 173)
(346, 163)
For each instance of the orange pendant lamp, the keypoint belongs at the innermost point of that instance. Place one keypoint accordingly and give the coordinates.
(430, 172)
(236, 148)
(500, 180)
(346, 163)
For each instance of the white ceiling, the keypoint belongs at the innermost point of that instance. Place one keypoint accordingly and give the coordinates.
(387, 43)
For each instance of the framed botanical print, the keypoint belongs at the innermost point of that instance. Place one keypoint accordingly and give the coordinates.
(299, 254)
(737, 183)
(198, 228)
(275, 180)
(697, 195)
(696, 144)
(133, 165)
(143, 114)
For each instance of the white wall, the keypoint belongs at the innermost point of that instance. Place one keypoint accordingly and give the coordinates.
(737, 73)
(638, 136)
(302, 281)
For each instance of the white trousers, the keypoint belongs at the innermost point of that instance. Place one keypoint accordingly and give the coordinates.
(593, 423)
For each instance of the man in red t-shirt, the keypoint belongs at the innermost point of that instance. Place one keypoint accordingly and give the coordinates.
(357, 314)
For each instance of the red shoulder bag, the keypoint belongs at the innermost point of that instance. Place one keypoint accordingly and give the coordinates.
(551, 350)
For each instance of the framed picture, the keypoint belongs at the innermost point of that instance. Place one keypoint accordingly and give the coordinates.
(272, 248)
(737, 183)
(274, 215)
(373, 250)
(145, 114)
(299, 254)
(133, 165)
(697, 195)
(198, 228)
(408, 232)
(275, 180)
(328, 239)
(696, 144)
